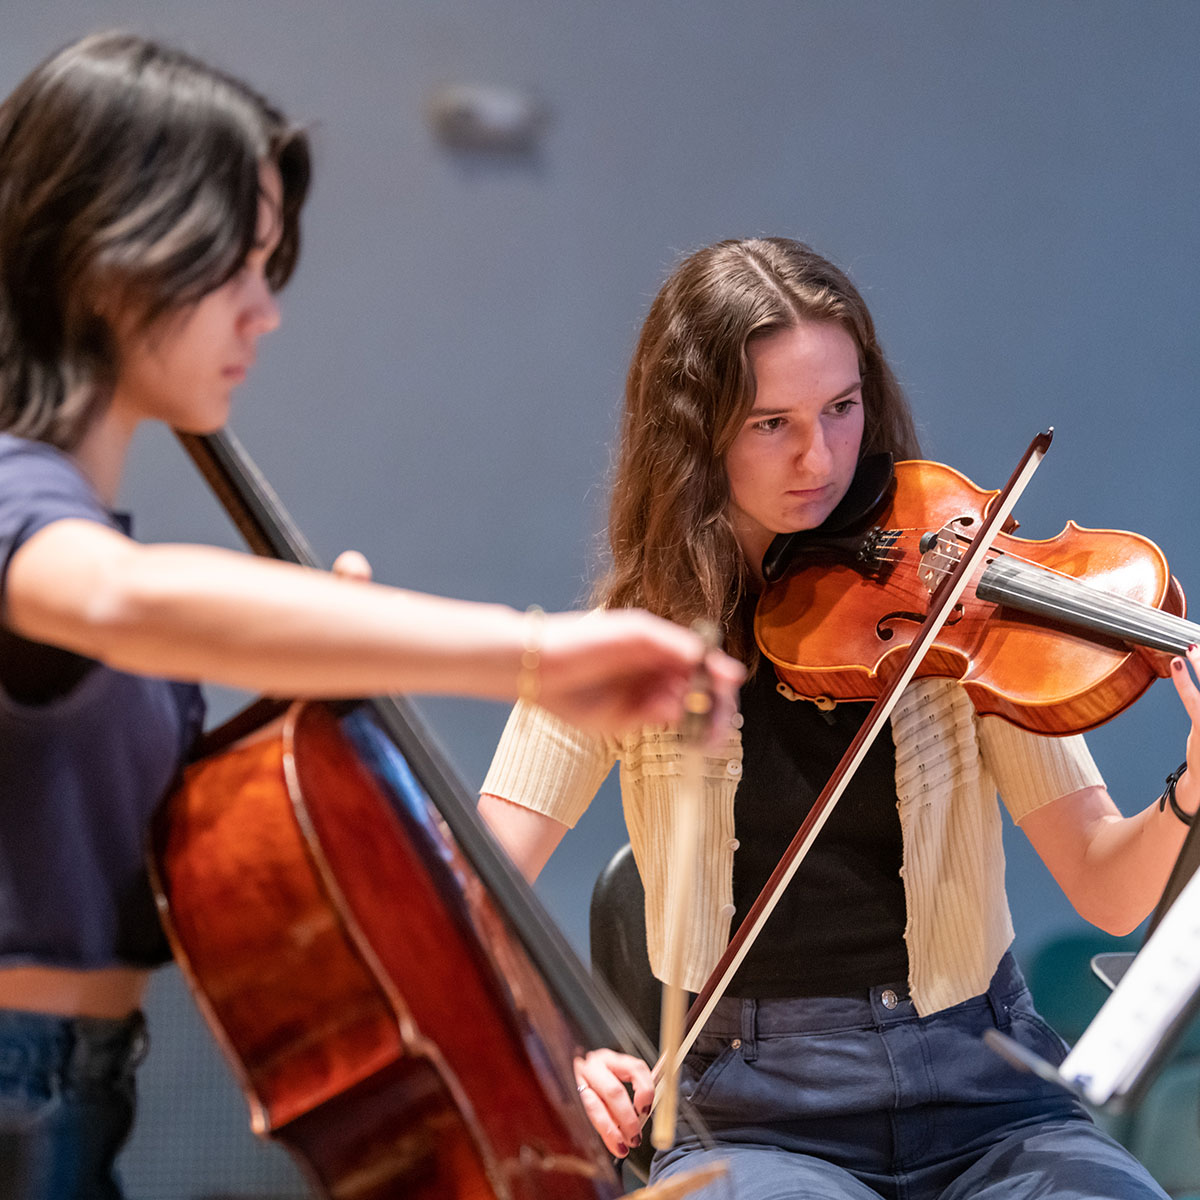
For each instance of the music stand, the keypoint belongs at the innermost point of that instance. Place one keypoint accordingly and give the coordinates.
(1156, 993)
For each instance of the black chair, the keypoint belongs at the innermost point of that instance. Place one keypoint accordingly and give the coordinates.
(617, 927)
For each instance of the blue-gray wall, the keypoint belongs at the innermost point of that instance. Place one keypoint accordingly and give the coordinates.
(1013, 185)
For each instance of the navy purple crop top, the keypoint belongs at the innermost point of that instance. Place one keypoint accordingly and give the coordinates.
(86, 755)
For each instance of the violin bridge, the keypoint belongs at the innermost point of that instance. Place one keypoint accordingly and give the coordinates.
(940, 553)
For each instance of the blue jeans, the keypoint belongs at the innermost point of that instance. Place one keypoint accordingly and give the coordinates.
(66, 1103)
(860, 1098)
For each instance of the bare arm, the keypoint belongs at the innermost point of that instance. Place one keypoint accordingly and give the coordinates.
(193, 612)
(529, 837)
(1113, 868)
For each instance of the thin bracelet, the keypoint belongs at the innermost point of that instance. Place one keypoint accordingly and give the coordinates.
(1168, 796)
(528, 681)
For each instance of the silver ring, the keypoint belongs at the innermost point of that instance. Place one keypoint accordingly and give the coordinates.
(582, 1087)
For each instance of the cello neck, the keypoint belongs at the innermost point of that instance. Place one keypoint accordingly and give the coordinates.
(1044, 593)
(251, 502)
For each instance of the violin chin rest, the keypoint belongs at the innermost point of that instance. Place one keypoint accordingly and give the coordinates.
(869, 489)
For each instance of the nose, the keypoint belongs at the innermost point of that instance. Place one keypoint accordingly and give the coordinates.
(812, 451)
(262, 309)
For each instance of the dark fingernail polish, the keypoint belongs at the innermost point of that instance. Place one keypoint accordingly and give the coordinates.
(636, 1140)
(622, 1149)
(644, 1110)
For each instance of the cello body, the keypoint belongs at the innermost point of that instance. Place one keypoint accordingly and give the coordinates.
(383, 1024)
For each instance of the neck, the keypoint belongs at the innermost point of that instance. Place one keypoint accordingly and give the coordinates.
(101, 454)
(753, 544)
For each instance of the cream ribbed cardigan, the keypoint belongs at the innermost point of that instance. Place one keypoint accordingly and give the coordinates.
(949, 765)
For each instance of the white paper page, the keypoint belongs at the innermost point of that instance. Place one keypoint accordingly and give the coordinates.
(1160, 982)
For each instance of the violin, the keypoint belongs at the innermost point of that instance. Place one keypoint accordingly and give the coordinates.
(1056, 636)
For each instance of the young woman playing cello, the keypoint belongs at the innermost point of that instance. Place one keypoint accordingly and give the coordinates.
(149, 210)
(845, 1062)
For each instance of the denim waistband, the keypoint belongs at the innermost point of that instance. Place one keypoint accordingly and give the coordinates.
(884, 1004)
(74, 1049)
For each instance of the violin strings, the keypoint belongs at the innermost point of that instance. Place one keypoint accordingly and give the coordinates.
(951, 558)
(1030, 586)
(895, 552)
(1045, 570)
(1049, 592)
(1111, 614)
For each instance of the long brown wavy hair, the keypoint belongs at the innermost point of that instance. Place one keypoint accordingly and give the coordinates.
(689, 391)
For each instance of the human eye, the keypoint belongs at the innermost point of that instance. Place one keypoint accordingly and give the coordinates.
(767, 425)
(845, 406)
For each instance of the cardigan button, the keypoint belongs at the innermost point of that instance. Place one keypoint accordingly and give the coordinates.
(727, 911)
(733, 843)
(737, 720)
(733, 768)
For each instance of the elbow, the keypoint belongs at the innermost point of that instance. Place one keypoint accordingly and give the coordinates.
(1120, 926)
(1119, 920)
(117, 611)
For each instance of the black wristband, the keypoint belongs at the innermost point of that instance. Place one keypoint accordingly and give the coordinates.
(1168, 796)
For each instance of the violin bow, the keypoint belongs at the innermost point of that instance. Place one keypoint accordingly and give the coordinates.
(942, 605)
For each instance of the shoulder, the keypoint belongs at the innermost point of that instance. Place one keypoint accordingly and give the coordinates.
(35, 476)
(19, 452)
(40, 485)
(29, 468)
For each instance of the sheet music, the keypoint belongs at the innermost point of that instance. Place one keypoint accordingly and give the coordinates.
(1160, 983)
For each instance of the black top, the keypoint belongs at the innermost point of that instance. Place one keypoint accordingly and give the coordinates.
(839, 928)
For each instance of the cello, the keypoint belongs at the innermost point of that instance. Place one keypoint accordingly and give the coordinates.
(399, 1011)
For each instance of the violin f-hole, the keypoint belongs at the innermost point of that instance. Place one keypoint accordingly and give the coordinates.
(886, 634)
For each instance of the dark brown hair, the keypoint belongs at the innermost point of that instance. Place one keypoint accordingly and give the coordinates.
(129, 189)
(688, 393)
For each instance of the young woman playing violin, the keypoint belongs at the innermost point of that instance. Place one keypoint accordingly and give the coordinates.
(149, 211)
(845, 1061)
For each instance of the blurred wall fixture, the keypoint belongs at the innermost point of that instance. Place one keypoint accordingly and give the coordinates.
(475, 116)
